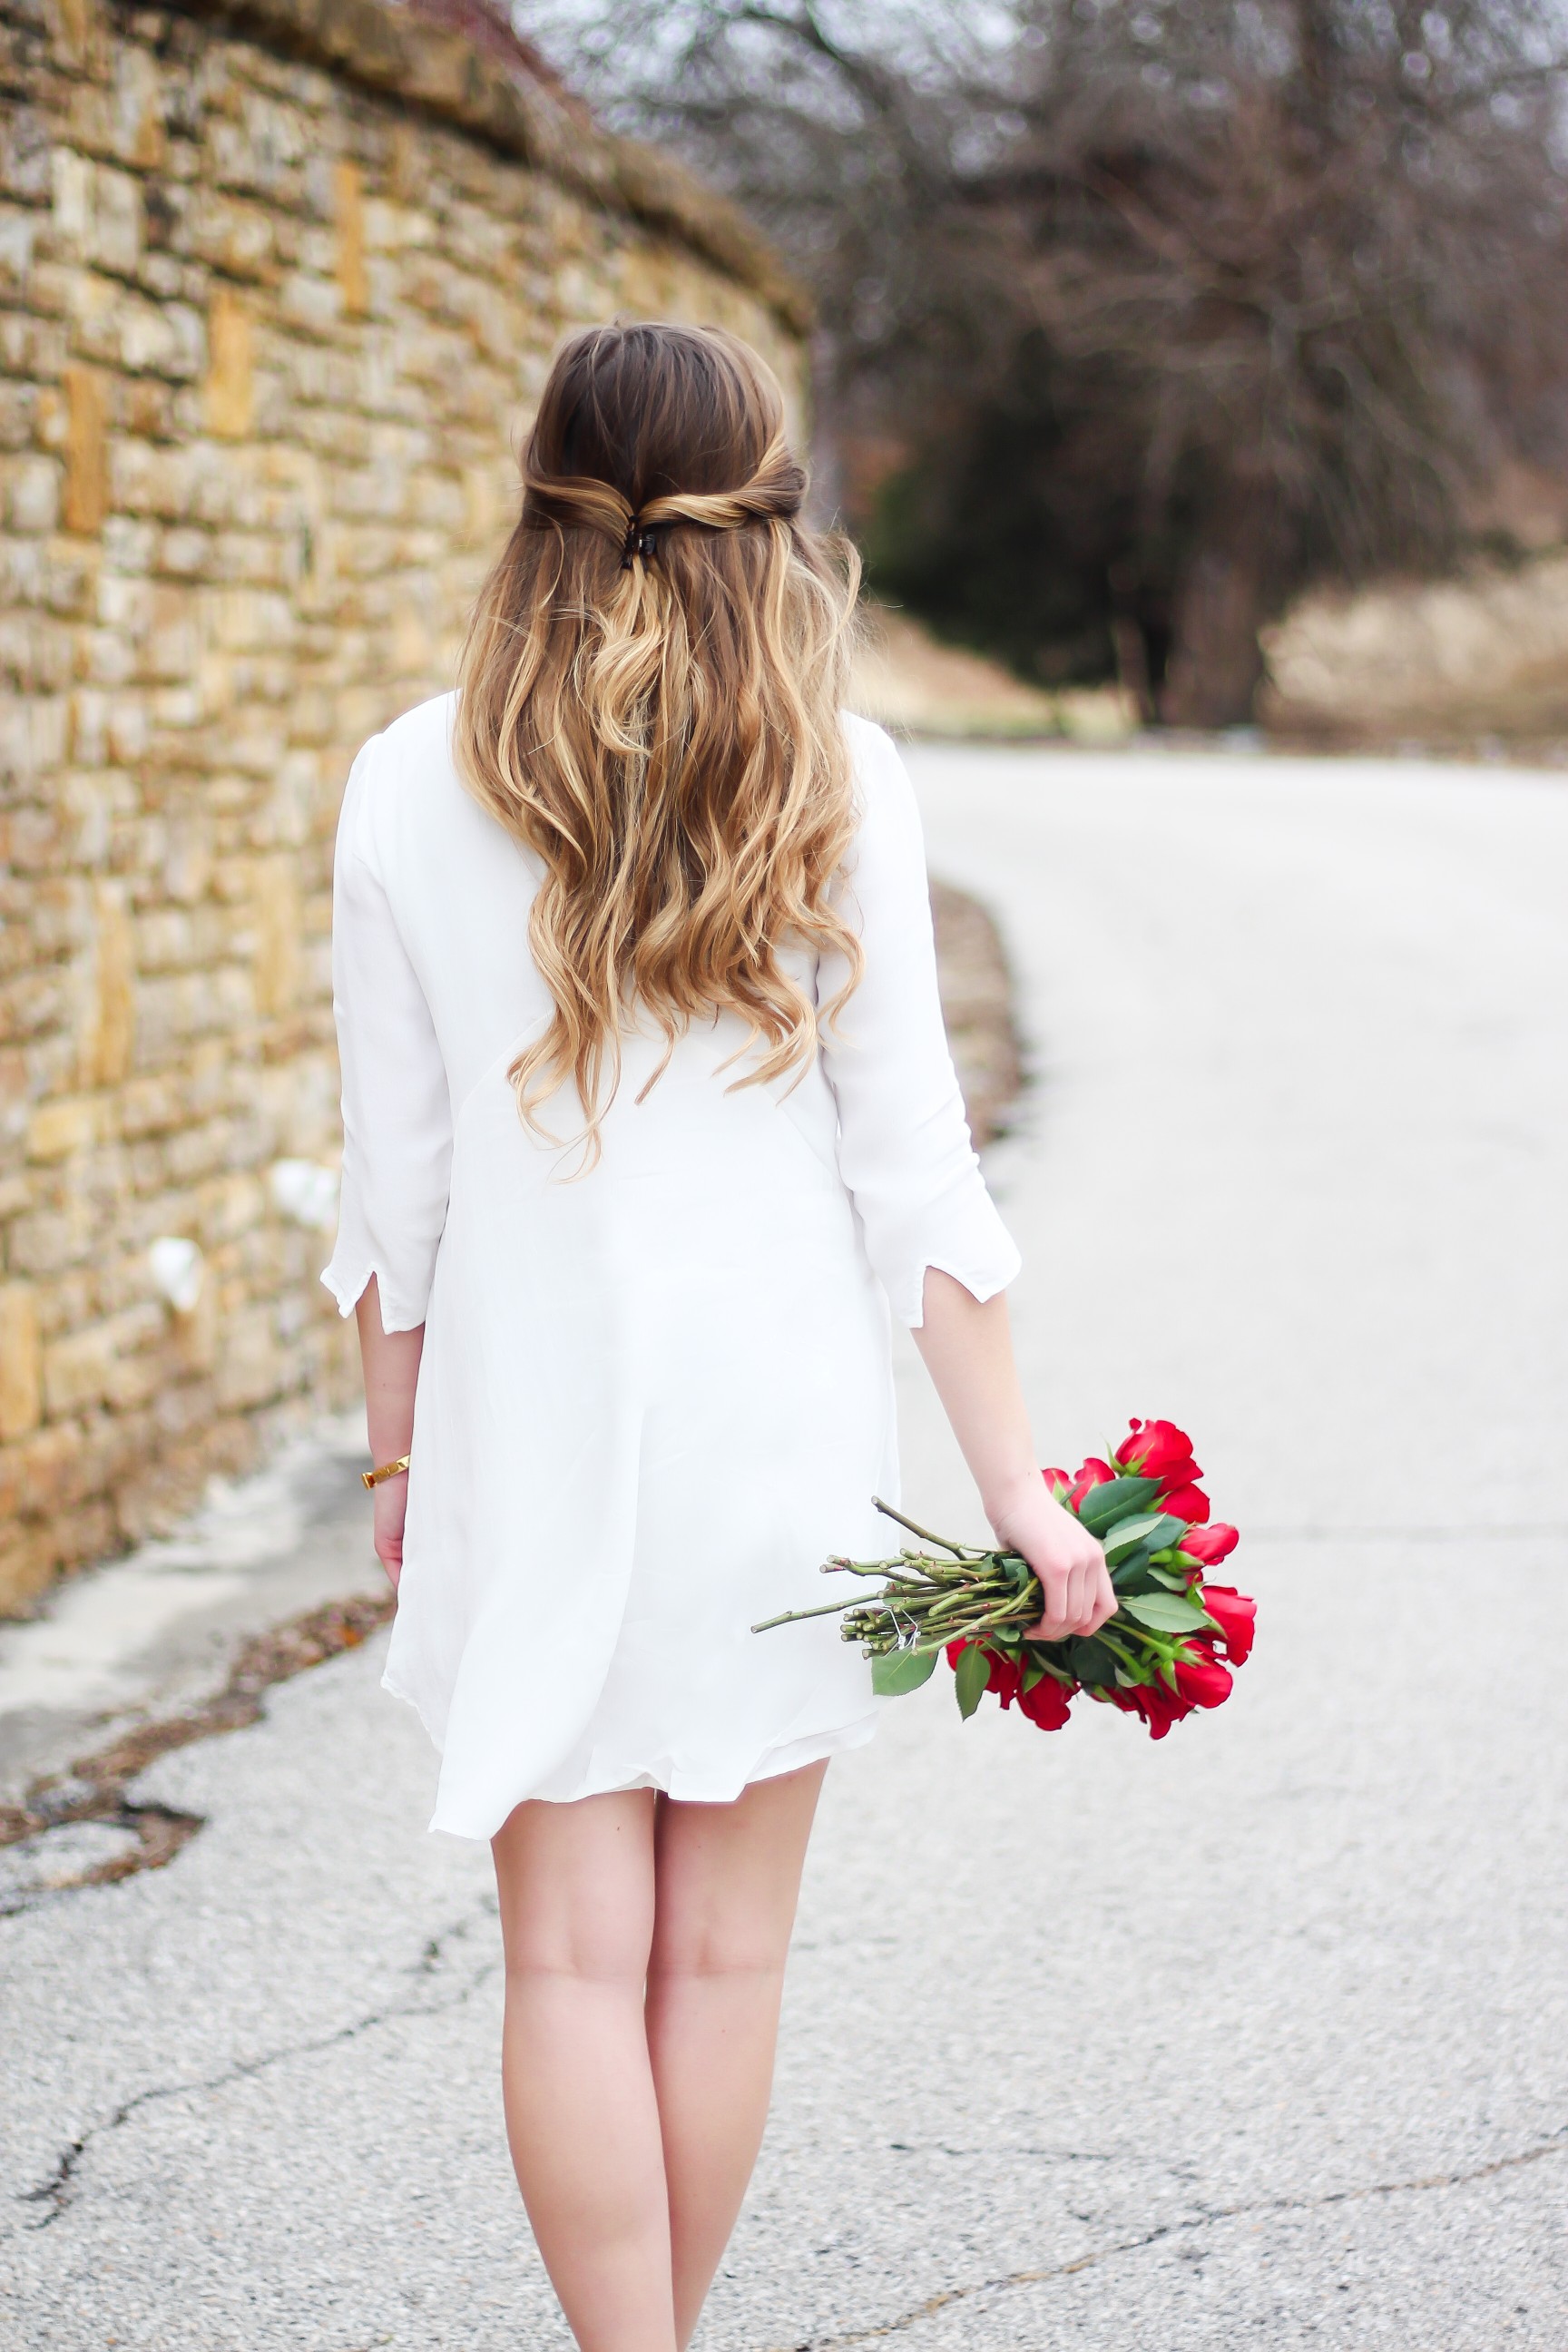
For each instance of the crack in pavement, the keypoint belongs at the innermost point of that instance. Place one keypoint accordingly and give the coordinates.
(56, 2190)
(94, 1787)
(949, 2297)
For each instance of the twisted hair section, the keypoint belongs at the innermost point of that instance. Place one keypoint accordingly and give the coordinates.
(649, 702)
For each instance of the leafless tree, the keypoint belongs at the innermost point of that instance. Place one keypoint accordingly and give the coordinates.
(1153, 313)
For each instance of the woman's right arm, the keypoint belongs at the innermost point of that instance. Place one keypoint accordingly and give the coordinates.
(967, 1348)
(932, 1231)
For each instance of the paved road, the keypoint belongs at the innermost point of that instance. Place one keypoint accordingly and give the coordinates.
(1257, 2037)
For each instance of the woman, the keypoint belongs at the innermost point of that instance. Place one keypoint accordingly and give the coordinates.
(650, 1120)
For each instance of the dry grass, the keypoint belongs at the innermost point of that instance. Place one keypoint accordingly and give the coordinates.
(906, 679)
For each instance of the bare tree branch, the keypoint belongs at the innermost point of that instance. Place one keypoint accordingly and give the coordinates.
(1165, 309)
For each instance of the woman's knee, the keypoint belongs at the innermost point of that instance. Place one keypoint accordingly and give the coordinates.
(717, 1947)
(707, 1927)
(727, 1879)
(576, 1885)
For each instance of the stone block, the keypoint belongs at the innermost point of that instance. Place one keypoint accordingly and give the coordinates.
(106, 657)
(134, 1382)
(32, 493)
(21, 1362)
(26, 1566)
(165, 939)
(19, 238)
(310, 304)
(133, 112)
(21, 407)
(150, 1106)
(27, 140)
(348, 195)
(128, 545)
(32, 346)
(108, 1035)
(77, 1370)
(250, 1370)
(48, 1467)
(57, 1130)
(132, 332)
(97, 213)
(46, 1241)
(240, 239)
(229, 389)
(87, 474)
(86, 1534)
(77, 36)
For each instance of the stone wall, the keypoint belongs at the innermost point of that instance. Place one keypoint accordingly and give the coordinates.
(278, 285)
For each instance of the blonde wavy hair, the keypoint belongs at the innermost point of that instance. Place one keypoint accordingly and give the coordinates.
(649, 701)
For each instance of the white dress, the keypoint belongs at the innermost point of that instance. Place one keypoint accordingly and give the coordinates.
(654, 1399)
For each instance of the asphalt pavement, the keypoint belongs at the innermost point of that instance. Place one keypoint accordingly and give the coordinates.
(1259, 2036)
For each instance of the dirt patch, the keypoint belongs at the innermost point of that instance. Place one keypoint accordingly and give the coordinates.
(977, 1003)
(45, 1859)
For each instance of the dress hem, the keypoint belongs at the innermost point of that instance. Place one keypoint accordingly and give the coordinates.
(770, 1764)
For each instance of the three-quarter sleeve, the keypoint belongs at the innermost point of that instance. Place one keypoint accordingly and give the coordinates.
(396, 1108)
(904, 1149)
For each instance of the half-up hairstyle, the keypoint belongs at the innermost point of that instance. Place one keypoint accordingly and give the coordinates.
(649, 701)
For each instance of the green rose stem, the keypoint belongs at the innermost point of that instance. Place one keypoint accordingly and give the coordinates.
(960, 1551)
(927, 1603)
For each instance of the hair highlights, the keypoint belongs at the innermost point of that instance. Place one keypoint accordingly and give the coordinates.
(649, 702)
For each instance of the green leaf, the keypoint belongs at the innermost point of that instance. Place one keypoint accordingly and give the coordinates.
(1172, 1526)
(1135, 1575)
(1126, 1575)
(1127, 1534)
(897, 1671)
(969, 1678)
(1092, 1663)
(1102, 1505)
(1166, 1612)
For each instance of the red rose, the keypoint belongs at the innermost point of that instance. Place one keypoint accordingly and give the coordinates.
(1210, 1545)
(1158, 1449)
(1189, 1503)
(1090, 1475)
(1200, 1678)
(1045, 1704)
(1005, 1676)
(1158, 1705)
(1236, 1617)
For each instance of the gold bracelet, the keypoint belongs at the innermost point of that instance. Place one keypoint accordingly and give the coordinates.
(385, 1470)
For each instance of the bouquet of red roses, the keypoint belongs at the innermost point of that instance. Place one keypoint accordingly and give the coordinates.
(1159, 1657)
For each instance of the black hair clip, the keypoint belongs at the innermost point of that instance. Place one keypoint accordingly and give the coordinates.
(639, 540)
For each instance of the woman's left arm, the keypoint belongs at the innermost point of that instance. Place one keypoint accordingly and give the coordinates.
(397, 1140)
(391, 1360)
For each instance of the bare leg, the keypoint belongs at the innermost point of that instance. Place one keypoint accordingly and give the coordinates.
(576, 1887)
(728, 1877)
